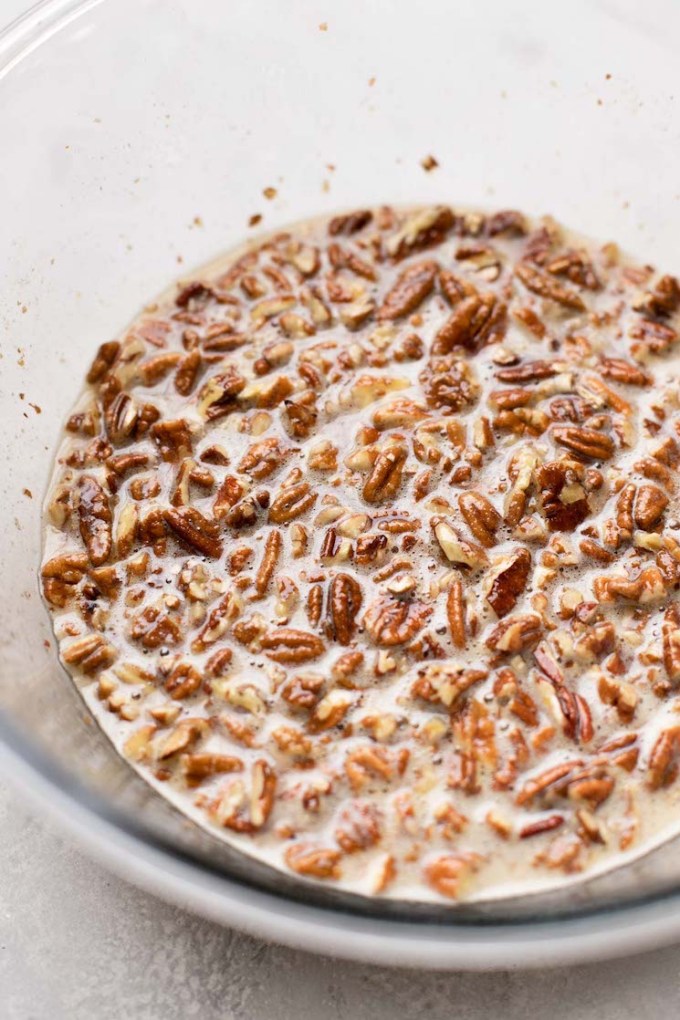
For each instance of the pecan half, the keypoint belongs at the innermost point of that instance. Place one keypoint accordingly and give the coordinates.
(392, 621)
(548, 287)
(95, 519)
(344, 602)
(291, 503)
(584, 441)
(449, 384)
(481, 517)
(313, 860)
(290, 647)
(410, 290)
(194, 530)
(475, 322)
(649, 506)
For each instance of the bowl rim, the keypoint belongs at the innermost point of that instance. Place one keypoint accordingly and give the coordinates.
(357, 931)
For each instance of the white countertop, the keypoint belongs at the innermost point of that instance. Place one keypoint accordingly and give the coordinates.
(75, 942)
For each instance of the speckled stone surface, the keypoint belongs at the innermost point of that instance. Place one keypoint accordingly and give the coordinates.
(78, 944)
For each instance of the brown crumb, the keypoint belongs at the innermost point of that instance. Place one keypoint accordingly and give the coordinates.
(269, 193)
(28, 494)
(255, 219)
(323, 27)
(371, 82)
(429, 163)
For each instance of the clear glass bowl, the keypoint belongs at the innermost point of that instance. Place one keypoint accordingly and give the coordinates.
(137, 139)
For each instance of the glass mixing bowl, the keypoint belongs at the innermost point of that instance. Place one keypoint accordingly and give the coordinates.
(137, 138)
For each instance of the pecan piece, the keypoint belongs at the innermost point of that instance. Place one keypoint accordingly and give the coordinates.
(194, 530)
(292, 502)
(205, 764)
(95, 520)
(270, 557)
(481, 517)
(358, 826)
(563, 500)
(103, 362)
(662, 300)
(173, 439)
(456, 614)
(670, 631)
(184, 681)
(516, 633)
(662, 767)
(548, 287)
(422, 229)
(90, 654)
(385, 478)
(350, 223)
(649, 506)
(623, 372)
(392, 621)
(60, 576)
(584, 441)
(290, 647)
(476, 321)
(509, 584)
(246, 811)
(411, 288)
(447, 874)
(344, 602)
(313, 860)
(450, 384)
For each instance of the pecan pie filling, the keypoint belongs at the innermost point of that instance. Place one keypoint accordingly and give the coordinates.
(363, 547)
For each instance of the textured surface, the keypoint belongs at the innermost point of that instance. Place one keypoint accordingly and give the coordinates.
(75, 942)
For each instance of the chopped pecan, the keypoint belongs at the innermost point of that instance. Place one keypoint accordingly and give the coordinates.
(516, 633)
(270, 557)
(548, 287)
(350, 223)
(411, 288)
(422, 229)
(89, 654)
(563, 500)
(95, 519)
(670, 631)
(291, 503)
(386, 474)
(313, 860)
(358, 826)
(104, 361)
(510, 583)
(456, 614)
(290, 647)
(622, 371)
(173, 439)
(649, 506)
(475, 322)
(481, 517)
(344, 602)
(392, 621)
(450, 384)
(194, 530)
(662, 300)
(585, 442)
(448, 874)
